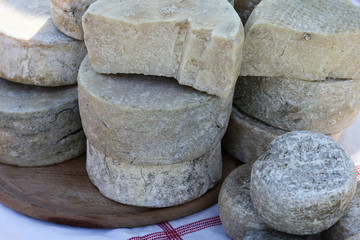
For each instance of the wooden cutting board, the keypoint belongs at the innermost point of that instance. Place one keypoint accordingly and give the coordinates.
(63, 194)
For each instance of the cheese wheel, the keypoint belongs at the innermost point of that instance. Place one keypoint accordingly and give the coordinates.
(153, 185)
(149, 120)
(292, 104)
(197, 42)
(347, 227)
(247, 138)
(303, 183)
(244, 8)
(310, 40)
(237, 213)
(32, 50)
(39, 125)
(67, 14)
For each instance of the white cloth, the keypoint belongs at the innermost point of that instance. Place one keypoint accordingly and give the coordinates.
(201, 225)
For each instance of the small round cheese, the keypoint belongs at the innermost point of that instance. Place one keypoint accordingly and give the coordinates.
(149, 120)
(303, 183)
(32, 50)
(39, 125)
(153, 185)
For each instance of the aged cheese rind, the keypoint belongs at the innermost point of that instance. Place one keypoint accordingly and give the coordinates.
(39, 125)
(247, 138)
(327, 106)
(153, 185)
(347, 227)
(244, 8)
(309, 40)
(237, 212)
(32, 50)
(67, 14)
(197, 42)
(148, 119)
(303, 183)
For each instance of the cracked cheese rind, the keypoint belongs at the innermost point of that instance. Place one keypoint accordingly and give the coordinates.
(327, 106)
(39, 125)
(197, 42)
(247, 138)
(347, 227)
(303, 183)
(153, 185)
(32, 50)
(309, 40)
(149, 119)
(237, 213)
(67, 15)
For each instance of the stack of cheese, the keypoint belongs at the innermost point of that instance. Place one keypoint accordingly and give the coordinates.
(300, 71)
(151, 141)
(39, 125)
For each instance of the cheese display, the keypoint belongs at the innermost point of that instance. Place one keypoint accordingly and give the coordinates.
(197, 42)
(32, 50)
(237, 213)
(67, 14)
(153, 185)
(244, 8)
(303, 183)
(147, 119)
(310, 40)
(39, 125)
(347, 227)
(327, 106)
(247, 138)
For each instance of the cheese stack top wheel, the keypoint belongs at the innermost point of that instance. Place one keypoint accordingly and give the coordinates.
(237, 212)
(310, 40)
(67, 14)
(32, 50)
(39, 125)
(327, 106)
(303, 183)
(197, 42)
(147, 119)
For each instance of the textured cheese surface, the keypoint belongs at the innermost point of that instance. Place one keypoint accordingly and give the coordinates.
(347, 227)
(244, 8)
(67, 15)
(327, 106)
(151, 185)
(303, 183)
(311, 40)
(33, 51)
(39, 125)
(197, 42)
(247, 138)
(237, 212)
(148, 119)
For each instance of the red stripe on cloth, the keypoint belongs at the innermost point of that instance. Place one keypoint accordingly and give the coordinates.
(358, 172)
(169, 233)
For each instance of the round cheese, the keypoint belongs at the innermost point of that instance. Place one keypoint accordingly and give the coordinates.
(197, 42)
(311, 40)
(67, 14)
(292, 104)
(149, 120)
(32, 50)
(153, 185)
(39, 125)
(303, 183)
(237, 213)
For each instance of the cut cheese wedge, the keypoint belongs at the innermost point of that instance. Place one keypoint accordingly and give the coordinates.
(153, 185)
(197, 42)
(310, 40)
(327, 106)
(237, 213)
(248, 138)
(67, 15)
(32, 50)
(39, 125)
(147, 119)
